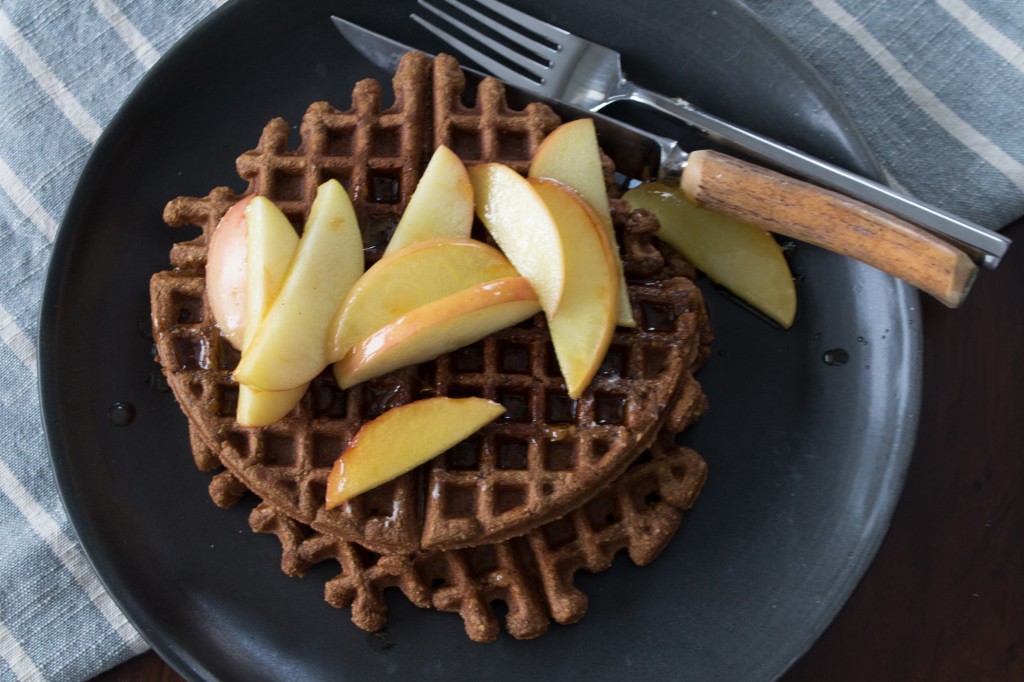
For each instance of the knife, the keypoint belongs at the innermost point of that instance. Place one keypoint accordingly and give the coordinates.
(748, 192)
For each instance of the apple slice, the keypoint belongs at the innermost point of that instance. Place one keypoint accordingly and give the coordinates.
(439, 327)
(441, 205)
(226, 272)
(262, 408)
(416, 275)
(744, 259)
(570, 155)
(290, 343)
(582, 329)
(248, 256)
(521, 223)
(403, 438)
(270, 247)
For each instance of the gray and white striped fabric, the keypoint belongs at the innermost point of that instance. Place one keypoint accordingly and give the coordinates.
(937, 86)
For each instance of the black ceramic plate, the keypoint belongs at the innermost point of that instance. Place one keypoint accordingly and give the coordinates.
(806, 459)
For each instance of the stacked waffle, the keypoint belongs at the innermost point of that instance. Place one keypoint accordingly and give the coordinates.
(554, 486)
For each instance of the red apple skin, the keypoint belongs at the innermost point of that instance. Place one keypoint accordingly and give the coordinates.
(226, 274)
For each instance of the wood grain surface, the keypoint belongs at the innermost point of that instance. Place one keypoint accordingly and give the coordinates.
(794, 208)
(944, 598)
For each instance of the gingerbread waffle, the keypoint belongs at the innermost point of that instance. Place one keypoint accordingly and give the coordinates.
(532, 575)
(547, 455)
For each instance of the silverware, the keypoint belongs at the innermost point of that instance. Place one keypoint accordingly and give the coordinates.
(752, 193)
(589, 76)
(637, 153)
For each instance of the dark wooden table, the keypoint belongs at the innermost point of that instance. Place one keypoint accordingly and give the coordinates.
(944, 598)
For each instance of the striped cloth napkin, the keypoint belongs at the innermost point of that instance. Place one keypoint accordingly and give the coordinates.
(936, 86)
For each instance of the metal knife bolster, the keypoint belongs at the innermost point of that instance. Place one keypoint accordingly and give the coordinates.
(642, 155)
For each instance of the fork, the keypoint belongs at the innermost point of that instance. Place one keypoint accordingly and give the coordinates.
(588, 75)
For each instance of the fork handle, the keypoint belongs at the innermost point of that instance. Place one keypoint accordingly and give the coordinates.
(798, 209)
(980, 243)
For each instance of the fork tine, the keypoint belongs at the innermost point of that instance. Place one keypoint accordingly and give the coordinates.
(553, 33)
(540, 49)
(522, 61)
(491, 65)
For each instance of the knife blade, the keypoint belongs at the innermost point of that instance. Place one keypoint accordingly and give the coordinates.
(750, 193)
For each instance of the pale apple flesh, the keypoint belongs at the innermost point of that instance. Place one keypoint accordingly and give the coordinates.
(744, 259)
(411, 277)
(439, 327)
(570, 155)
(289, 348)
(523, 227)
(261, 408)
(226, 273)
(403, 438)
(440, 206)
(270, 247)
(582, 329)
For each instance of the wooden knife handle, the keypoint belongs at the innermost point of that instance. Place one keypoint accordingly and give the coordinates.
(798, 209)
